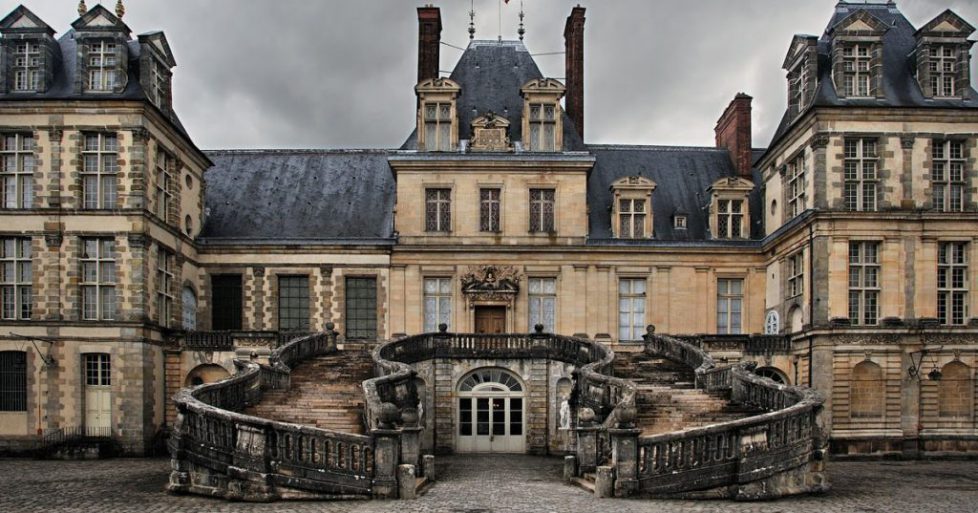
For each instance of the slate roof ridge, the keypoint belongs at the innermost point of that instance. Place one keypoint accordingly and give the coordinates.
(300, 151)
(654, 147)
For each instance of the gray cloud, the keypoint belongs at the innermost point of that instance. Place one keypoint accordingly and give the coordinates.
(331, 73)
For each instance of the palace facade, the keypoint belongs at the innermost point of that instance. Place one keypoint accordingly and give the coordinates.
(135, 264)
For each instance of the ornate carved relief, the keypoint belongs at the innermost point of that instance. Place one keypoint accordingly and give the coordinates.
(490, 133)
(490, 283)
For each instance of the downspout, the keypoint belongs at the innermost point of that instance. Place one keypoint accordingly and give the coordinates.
(811, 301)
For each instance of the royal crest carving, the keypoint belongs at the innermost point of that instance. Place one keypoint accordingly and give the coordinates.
(490, 283)
(490, 132)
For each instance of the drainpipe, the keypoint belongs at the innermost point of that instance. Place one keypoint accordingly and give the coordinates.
(811, 302)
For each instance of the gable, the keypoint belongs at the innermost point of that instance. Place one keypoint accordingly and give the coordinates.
(100, 19)
(799, 45)
(22, 19)
(946, 23)
(157, 41)
(860, 21)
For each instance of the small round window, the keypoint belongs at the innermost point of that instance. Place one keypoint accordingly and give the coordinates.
(188, 225)
(190, 181)
(774, 207)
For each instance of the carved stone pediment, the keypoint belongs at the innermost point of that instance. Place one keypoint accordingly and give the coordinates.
(490, 132)
(490, 283)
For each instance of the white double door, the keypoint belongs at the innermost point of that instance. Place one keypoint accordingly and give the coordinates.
(491, 421)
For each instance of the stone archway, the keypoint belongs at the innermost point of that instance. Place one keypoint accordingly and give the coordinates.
(205, 373)
(491, 412)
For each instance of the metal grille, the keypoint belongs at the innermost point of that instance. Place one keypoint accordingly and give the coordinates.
(631, 218)
(489, 210)
(361, 308)
(293, 303)
(13, 381)
(542, 210)
(730, 217)
(226, 296)
(438, 210)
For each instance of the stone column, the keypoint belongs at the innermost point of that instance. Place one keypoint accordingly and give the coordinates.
(910, 398)
(386, 458)
(407, 483)
(587, 449)
(819, 170)
(179, 467)
(410, 445)
(624, 443)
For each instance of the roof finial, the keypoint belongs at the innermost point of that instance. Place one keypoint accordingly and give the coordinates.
(522, 30)
(82, 8)
(120, 10)
(472, 21)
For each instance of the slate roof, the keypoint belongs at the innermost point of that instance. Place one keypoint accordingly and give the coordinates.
(278, 196)
(491, 74)
(66, 69)
(682, 175)
(900, 87)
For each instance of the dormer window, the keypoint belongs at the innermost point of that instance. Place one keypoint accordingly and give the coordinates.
(631, 210)
(943, 69)
(27, 67)
(103, 66)
(857, 55)
(542, 125)
(156, 61)
(159, 82)
(437, 116)
(730, 219)
(801, 63)
(729, 206)
(857, 74)
(943, 56)
(679, 222)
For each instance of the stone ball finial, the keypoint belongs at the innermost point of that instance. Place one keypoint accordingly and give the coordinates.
(82, 8)
(585, 416)
(410, 416)
(442, 328)
(120, 10)
(538, 328)
(329, 327)
(626, 416)
(388, 415)
(650, 329)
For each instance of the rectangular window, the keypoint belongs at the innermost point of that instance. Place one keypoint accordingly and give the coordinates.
(438, 210)
(13, 381)
(18, 170)
(730, 218)
(631, 218)
(855, 63)
(27, 67)
(164, 286)
(543, 127)
(795, 187)
(100, 164)
(542, 210)
(293, 303)
(861, 179)
(948, 178)
(943, 70)
(361, 308)
(864, 283)
(158, 83)
(164, 184)
(103, 66)
(98, 370)
(631, 308)
(438, 126)
(730, 304)
(18, 278)
(98, 279)
(489, 210)
(437, 303)
(543, 303)
(226, 298)
(796, 274)
(952, 282)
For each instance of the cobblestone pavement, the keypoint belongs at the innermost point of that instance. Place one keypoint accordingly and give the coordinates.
(480, 484)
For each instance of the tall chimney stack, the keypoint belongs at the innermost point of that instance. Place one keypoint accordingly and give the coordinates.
(429, 42)
(574, 67)
(733, 132)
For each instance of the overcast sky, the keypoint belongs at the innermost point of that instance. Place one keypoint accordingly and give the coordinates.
(340, 74)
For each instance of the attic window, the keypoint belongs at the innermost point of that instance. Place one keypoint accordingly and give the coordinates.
(943, 70)
(103, 66)
(27, 67)
(729, 207)
(679, 222)
(542, 126)
(159, 83)
(856, 68)
(631, 210)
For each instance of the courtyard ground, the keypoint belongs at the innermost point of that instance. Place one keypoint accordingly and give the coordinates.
(480, 484)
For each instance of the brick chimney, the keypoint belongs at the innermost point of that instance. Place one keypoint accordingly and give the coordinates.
(574, 67)
(429, 42)
(733, 133)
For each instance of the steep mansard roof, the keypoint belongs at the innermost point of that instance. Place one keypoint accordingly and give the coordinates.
(342, 196)
(491, 74)
(900, 87)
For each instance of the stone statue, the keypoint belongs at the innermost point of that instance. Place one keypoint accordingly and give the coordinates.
(565, 415)
(420, 412)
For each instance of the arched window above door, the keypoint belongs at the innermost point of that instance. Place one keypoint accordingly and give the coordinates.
(490, 376)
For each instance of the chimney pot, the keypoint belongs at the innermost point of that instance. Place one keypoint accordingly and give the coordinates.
(733, 131)
(574, 67)
(429, 42)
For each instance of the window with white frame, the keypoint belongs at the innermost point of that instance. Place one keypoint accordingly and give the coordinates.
(164, 286)
(438, 210)
(98, 279)
(164, 183)
(857, 74)
(861, 178)
(18, 170)
(189, 301)
(159, 79)
(952, 282)
(796, 274)
(103, 66)
(864, 283)
(730, 305)
(543, 127)
(631, 218)
(631, 308)
(795, 186)
(489, 204)
(18, 278)
(437, 303)
(943, 62)
(730, 218)
(948, 177)
(27, 66)
(543, 303)
(542, 210)
(100, 165)
(438, 126)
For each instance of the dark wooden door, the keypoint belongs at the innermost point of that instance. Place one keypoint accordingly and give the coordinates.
(490, 319)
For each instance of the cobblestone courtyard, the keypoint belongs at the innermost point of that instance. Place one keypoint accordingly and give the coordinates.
(480, 484)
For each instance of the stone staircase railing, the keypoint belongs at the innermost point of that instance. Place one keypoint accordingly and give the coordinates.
(218, 451)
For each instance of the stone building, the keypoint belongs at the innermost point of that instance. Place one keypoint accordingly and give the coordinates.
(136, 264)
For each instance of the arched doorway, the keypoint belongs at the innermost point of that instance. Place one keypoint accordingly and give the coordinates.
(773, 374)
(205, 373)
(491, 412)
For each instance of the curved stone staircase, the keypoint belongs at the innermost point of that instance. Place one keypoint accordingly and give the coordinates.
(325, 392)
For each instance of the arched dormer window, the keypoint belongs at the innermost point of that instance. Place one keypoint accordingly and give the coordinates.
(730, 217)
(437, 116)
(631, 207)
(543, 127)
